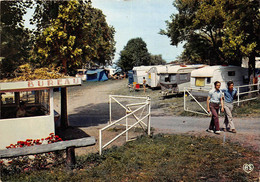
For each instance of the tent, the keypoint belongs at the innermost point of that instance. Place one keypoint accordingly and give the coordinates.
(96, 75)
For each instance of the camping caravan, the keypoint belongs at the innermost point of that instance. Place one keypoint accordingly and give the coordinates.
(82, 73)
(204, 78)
(96, 75)
(176, 78)
(154, 75)
(110, 71)
(139, 73)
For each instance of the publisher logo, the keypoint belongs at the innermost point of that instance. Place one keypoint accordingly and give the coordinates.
(248, 168)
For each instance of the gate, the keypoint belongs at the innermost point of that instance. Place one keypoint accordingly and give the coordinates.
(244, 93)
(140, 105)
(189, 94)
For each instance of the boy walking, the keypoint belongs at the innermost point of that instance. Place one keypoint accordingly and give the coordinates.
(229, 94)
(144, 83)
(213, 101)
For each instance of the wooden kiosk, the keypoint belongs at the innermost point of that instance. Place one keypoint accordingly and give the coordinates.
(38, 121)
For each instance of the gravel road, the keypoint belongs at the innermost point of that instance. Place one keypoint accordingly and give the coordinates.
(248, 129)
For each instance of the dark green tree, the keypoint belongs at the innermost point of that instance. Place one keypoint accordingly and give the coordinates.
(219, 31)
(15, 39)
(157, 60)
(135, 53)
(44, 12)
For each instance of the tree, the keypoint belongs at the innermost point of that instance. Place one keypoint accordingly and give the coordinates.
(77, 36)
(135, 53)
(157, 60)
(241, 30)
(15, 39)
(228, 29)
(44, 12)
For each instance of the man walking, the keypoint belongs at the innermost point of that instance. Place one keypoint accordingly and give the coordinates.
(213, 101)
(229, 94)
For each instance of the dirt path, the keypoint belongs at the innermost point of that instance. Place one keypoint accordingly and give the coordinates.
(88, 104)
(248, 129)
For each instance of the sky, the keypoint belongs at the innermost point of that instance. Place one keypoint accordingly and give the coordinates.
(137, 18)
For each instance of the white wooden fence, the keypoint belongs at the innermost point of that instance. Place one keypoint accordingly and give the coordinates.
(144, 108)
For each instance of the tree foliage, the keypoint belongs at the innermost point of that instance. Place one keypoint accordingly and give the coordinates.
(217, 31)
(157, 60)
(44, 12)
(15, 39)
(77, 36)
(135, 53)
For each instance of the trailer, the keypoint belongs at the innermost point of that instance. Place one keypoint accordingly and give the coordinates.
(176, 78)
(154, 75)
(82, 73)
(204, 78)
(140, 72)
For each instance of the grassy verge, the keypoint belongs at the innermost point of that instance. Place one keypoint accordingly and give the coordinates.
(158, 158)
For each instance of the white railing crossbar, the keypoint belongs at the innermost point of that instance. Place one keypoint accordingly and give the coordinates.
(197, 102)
(122, 118)
(129, 112)
(116, 137)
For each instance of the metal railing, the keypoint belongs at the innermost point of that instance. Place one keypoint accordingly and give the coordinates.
(241, 90)
(188, 91)
(253, 88)
(144, 104)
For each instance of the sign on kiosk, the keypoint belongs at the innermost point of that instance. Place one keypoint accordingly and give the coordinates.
(40, 83)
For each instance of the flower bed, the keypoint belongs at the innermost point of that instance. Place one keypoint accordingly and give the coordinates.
(32, 162)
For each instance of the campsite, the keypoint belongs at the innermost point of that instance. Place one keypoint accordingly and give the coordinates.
(88, 114)
(127, 90)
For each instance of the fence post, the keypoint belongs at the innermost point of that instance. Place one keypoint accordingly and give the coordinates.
(149, 116)
(100, 142)
(110, 109)
(126, 126)
(70, 157)
(238, 96)
(184, 99)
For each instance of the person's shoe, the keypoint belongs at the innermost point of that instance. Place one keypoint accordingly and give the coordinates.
(224, 129)
(217, 132)
(210, 131)
(233, 131)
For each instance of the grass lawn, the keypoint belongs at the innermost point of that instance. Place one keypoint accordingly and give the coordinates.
(157, 158)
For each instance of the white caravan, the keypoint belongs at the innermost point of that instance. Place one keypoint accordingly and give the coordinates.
(204, 78)
(154, 75)
(176, 78)
(139, 72)
(82, 73)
